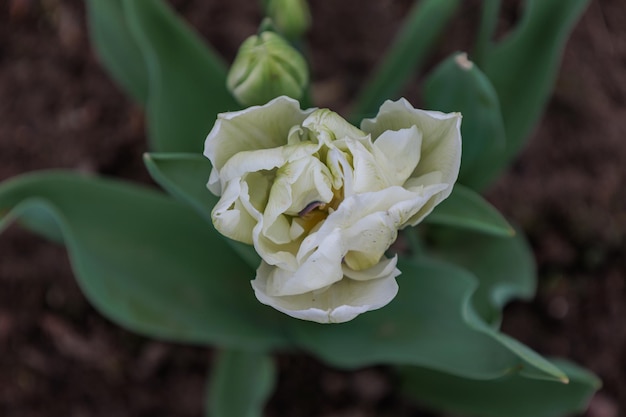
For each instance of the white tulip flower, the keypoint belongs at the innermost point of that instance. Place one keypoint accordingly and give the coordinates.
(322, 200)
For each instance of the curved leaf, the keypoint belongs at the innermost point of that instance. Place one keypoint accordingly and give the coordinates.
(427, 323)
(431, 323)
(147, 262)
(116, 47)
(466, 209)
(414, 41)
(504, 267)
(187, 81)
(185, 177)
(457, 84)
(523, 67)
(511, 396)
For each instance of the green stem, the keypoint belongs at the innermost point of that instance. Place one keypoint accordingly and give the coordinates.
(488, 23)
(240, 384)
(413, 42)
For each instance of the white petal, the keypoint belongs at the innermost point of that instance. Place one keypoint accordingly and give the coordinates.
(257, 127)
(369, 174)
(398, 152)
(230, 215)
(384, 268)
(340, 302)
(441, 135)
(264, 159)
(328, 126)
(316, 271)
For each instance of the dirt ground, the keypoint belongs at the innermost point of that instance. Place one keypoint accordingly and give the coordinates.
(59, 109)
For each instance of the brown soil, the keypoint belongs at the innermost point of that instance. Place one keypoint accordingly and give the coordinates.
(58, 109)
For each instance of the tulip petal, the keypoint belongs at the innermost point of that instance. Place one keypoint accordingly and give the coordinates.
(338, 303)
(255, 128)
(441, 133)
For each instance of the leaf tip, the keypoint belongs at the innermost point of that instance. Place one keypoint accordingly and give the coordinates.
(463, 62)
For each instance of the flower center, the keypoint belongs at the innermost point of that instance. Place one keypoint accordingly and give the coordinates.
(317, 211)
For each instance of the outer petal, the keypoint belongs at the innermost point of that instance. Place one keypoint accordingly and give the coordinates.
(441, 133)
(399, 152)
(441, 148)
(230, 216)
(257, 127)
(338, 303)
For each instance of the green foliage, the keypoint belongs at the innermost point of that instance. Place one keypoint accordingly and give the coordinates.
(186, 80)
(458, 85)
(466, 209)
(173, 280)
(504, 266)
(147, 262)
(185, 177)
(156, 265)
(240, 384)
(523, 66)
(118, 50)
(416, 38)
(511, 396)
(430, 323)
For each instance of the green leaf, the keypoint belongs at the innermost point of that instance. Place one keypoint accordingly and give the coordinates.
(504, 267)
(466, 209)
(512, 396)
(431, 323)
(187, 80)
(148, 262)
(458, 85)
(395, 333)
(523, 67)
(185, 176)
(116, 47)
(414, 41)
(241, 383)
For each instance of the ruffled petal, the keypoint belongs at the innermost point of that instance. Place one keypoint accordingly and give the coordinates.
(255, 128)
(338, 303)
(441, 137)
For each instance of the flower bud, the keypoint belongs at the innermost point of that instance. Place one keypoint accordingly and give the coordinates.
(266, 67)
(291, 17)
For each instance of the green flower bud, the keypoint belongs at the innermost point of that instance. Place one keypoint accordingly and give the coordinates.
(266, 67)
(292, 17)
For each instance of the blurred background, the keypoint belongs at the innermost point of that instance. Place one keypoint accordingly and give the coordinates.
(59, 109)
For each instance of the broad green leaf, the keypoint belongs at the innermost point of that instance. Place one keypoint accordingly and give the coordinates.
(148, 262)
(523, 67)
(466, 209)
(416, 38)
(241, 383)
(452, 290)
(457, 84)
(40, 221)
(511, 396)
(187, 80)
(185, 177)
(504, 267)
(116, 47)
(431, 323)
